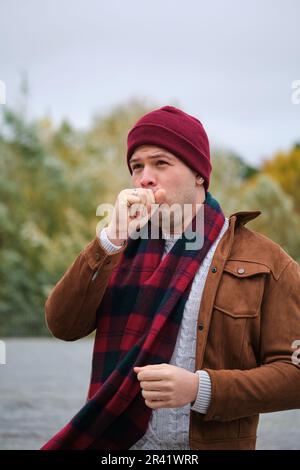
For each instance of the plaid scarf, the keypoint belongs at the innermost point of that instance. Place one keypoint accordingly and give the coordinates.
(137, 324)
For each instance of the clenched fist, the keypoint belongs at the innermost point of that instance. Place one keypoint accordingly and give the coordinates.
(167, 386)
(132, 211)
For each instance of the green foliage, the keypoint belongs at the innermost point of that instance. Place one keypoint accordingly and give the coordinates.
(285, 169)
(51, 182)
(279, 220)
(53, 179)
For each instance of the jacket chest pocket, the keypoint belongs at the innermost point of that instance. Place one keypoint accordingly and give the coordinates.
(233, 335)
(240, 291)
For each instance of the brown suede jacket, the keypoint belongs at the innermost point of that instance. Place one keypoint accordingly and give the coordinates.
(248, 320)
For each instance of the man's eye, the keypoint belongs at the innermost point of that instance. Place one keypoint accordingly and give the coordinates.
(134, 167)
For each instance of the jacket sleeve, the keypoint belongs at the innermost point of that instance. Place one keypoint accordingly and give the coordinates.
(70, 309)
(275, 385)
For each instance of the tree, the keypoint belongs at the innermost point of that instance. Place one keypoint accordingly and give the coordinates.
(284, 168)
(279, 219)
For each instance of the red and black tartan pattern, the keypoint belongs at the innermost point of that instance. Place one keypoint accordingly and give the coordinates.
(138, 321)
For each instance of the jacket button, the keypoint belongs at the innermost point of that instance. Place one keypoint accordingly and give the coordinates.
(97, 256)
(200, 326)
(213, 269)
(241, 270)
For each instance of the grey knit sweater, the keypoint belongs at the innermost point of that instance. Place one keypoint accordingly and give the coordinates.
(168, 428)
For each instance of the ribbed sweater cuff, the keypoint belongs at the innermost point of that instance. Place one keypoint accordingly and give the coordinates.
(202, 402)
(106, 243)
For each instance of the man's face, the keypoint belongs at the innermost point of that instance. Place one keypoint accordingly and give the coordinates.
(156, 168)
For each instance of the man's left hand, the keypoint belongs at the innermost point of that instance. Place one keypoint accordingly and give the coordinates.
(167, 386)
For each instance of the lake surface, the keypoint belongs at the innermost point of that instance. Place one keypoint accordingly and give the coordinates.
(45, 382)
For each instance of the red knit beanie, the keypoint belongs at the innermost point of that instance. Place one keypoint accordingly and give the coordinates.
(176, 131)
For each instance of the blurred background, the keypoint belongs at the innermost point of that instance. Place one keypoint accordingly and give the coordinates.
(77, 76)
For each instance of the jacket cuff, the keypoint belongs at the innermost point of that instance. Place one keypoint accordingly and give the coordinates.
(96, 256)
(202, 402)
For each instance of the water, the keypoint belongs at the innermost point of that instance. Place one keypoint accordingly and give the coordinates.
(45, 382)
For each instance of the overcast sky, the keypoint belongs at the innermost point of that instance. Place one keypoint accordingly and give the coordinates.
(231, 63)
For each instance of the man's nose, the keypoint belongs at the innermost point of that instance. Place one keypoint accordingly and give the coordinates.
(147, 178)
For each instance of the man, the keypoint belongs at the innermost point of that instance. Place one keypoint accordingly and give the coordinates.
(191, 344)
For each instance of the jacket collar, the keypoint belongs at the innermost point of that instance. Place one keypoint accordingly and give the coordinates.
(243, 217)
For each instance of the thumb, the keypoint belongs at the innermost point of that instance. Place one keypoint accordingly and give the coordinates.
(160, 196)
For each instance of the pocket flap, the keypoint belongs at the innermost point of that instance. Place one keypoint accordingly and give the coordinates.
(241, 268)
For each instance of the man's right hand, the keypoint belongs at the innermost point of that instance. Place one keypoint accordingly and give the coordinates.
(132, 211)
